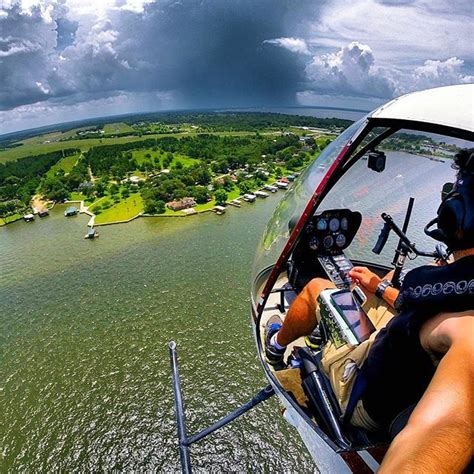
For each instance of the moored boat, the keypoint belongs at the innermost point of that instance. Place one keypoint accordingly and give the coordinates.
(91, 234)
(71, 211)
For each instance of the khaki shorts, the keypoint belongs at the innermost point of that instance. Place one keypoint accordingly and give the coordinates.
(341, 364)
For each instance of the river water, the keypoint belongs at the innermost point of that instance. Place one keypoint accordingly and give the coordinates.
(84, 371)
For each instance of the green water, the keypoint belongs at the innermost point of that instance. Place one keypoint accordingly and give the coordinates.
(84, 371)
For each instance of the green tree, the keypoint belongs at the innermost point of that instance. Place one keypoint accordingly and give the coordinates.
(200, 194)
(228, 184)
(101, 187)
(114, 189)
(221, 197)
(160, 207)
(244, 186)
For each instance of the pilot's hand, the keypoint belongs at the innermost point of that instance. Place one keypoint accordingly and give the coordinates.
(364, 277)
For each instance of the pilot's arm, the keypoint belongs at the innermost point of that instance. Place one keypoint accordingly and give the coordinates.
(439, 436)
(369, 281)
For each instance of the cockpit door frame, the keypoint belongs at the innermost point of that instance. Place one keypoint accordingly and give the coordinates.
(326, 183)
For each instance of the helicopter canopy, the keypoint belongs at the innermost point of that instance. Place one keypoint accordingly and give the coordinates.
(451, 106)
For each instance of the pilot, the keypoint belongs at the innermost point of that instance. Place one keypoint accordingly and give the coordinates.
(420, 360)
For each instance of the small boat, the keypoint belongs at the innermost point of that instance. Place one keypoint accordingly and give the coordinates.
(91, 234)
(70, 211)
(250, 197)
(261, 194)
(269, 187)
(282, 185)
(219, 210)
(28, 217)
(43, 213)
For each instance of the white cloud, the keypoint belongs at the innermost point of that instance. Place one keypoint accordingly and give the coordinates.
(210, 51)
(400, 34)
(354, 71)
(351, 70)
(295, 45)
(12, 46)
(434, 73)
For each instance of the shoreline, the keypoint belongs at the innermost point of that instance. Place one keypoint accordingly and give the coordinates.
(83, 209)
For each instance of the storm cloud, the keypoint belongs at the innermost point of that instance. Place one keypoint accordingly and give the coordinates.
(118, 56)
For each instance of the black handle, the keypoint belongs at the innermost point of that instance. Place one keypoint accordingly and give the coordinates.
(382, 240)
(309, 365)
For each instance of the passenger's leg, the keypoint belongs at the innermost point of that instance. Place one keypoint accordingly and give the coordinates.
(302, 316)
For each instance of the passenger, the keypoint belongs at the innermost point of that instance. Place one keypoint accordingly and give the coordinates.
(422, 356)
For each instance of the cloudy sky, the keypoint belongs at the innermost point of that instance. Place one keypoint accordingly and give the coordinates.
(62, 60)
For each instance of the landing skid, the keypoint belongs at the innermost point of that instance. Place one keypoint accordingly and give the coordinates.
(186, 441)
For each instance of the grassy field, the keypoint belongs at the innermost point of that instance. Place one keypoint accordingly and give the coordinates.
(139, 155)
(66, 164)
(7, 220)
(119, 127)
(126, 209)
(39, 148)
(184, 160)
(98, 202)
(44, 143)
(75, 196)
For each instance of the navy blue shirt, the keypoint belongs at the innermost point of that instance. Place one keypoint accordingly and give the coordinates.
(398, 370)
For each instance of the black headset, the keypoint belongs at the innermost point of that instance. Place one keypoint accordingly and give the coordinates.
(455, 219)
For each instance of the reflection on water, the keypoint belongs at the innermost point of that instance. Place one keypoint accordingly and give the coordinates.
(84, 371)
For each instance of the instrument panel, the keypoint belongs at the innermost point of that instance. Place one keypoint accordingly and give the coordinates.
(331, 231)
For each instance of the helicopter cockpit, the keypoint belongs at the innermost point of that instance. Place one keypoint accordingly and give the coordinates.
(377, 179)
(321, 248)
(368, 199)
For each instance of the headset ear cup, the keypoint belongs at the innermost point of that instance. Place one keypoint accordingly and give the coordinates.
(450, 220)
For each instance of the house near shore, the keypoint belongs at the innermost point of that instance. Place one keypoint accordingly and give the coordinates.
(135, 180)
(184, 203)
(85, 185)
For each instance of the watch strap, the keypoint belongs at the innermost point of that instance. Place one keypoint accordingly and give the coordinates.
(382, 286)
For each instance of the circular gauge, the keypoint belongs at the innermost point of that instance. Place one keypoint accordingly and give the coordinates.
(341, 240)
(322, 224)
(344, 223)
(328, 242)
(334, 224)
(314, 243)
(309, 228)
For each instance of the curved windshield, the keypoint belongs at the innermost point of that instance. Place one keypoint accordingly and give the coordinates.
(417, 165)
(293, 203)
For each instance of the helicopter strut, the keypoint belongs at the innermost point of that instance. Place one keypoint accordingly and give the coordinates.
(186, 441)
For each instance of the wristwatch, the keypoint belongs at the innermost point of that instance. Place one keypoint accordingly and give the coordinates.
(382, 286)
